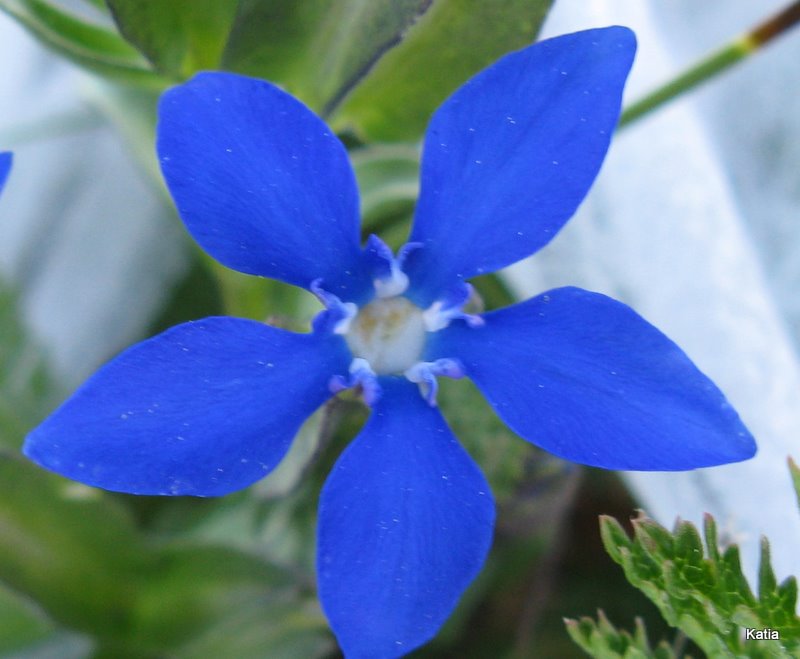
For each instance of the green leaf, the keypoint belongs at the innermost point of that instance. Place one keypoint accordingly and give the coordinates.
(179, 37)
(795, 472)
(318, 49)
(27, 633)
(27, 392)
(191, 587)
(58, 645)
(452, 41)
(602, 639)
(133, 112)
(274, 518)
(275, 628)
(67, 546)
(21, 623)
(91, 46)
(76, 553)
(705, 594)
(504, 458)
(388, 179)
(260, 298)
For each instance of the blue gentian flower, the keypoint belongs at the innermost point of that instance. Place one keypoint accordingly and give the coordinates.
(5, 167)
(405, 517)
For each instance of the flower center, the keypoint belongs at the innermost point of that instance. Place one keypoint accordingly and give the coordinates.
(389, 333)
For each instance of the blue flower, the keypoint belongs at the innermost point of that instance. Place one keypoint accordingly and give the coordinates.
(5, 167)
(405, 517)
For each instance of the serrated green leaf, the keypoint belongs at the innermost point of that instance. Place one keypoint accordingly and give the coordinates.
(767, 584)
(705, 594)
(317, 49)
(452, 41)
(614, 538)
(178, 37)
(653, 538)
(66, 546)
(91, 46)
(602, 639)
(710, 536)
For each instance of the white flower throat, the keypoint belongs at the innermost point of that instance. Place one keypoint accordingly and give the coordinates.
(389, 333)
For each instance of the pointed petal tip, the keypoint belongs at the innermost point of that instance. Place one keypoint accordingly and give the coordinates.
(405, 523)
(620, 37)
(623, 34)
(203, 409)
(587, 379)
(511, 154)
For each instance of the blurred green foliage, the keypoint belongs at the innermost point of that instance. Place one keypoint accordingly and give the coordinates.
(177, 37)
(26, 388)
(88, 44)
(451, 42)
(319, 50)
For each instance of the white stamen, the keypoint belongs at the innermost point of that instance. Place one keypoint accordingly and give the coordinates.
(434, 318)
(350, 310)
(395, 284)
(360, 365)
(437, 316)
(424, 374)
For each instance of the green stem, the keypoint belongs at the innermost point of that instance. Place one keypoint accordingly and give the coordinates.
(703, 70)
(718, 61)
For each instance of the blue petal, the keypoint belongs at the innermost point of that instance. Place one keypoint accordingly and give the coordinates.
(510, 156)
(584, 377)
(405, 523)
(5, 167)
(205, 408)
(261, 182)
